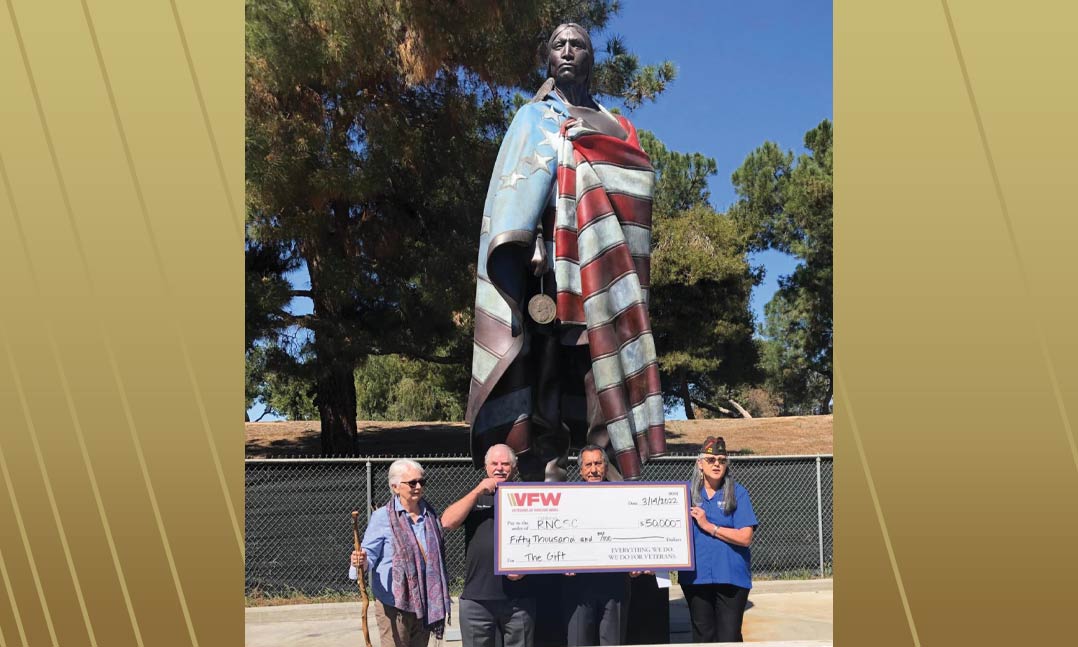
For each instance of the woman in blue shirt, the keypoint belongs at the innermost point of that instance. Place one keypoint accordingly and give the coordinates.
(718, 590)
(404, 549)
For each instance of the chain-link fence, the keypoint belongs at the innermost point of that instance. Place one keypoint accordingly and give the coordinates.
(298, 513)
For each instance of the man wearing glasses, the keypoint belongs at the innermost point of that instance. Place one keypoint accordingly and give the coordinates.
(489, 604)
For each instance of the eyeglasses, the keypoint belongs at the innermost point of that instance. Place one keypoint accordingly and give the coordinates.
(712, 460)
(414, 482)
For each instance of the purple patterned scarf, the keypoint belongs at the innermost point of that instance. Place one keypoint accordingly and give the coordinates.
(419, 589)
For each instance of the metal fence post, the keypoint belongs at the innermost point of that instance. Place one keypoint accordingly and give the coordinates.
(819, 512)
(370, 489)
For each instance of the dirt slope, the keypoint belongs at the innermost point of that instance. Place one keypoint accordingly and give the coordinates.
(793, 435)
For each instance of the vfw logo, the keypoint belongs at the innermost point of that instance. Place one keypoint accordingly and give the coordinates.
(532, 499)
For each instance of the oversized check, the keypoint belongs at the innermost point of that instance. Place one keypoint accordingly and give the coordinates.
(592, 527)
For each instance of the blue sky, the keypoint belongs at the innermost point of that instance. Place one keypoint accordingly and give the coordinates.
(749, 71)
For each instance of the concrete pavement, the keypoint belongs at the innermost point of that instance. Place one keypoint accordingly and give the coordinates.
(794, 613)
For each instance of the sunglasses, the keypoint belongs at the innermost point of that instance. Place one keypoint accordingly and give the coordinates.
(712, 460)
(414, 482)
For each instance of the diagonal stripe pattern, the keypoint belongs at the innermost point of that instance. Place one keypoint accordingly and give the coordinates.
(85, 200)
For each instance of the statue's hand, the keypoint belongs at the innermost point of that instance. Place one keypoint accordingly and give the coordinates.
(539, 258)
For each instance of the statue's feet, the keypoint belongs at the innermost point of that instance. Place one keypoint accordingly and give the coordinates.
(530, 467)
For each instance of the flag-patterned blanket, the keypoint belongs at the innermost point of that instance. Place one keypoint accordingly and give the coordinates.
(597, 191)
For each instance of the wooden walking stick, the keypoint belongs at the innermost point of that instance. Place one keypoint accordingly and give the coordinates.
(361, 578)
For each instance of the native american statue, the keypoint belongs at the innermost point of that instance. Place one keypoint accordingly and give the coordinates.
(564, 353)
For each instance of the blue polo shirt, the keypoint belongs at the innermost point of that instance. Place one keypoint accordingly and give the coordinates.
(718, 562)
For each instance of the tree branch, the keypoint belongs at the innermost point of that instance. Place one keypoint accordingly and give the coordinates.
(744, 413)
(438, 360)
(434, 359)
(718, 409)
(709, 407)
(303, 321)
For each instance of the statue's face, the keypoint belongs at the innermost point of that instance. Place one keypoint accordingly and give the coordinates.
(570, 61)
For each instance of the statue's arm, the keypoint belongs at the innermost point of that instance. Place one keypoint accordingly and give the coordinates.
(519, 194)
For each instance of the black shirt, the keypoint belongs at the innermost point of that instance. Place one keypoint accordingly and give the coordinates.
(480, 582)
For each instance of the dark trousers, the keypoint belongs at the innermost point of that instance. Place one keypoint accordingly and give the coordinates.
(497, 623)
(595, 606)
(716, 611)
(595, 622)
(648, 611)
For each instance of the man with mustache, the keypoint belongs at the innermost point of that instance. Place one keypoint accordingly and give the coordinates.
(490, 604)
(595, 604)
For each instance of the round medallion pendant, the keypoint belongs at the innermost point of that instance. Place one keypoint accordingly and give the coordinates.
(542, 309)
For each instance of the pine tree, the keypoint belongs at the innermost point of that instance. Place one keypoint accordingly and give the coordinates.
(700, 286)
(788, 206)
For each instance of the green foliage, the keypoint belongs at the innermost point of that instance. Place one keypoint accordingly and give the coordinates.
(681, 178)
(266, 291)
(253, 376)
(700, 284)
(392, 387)
(788, 206)
(281, 382)
(789, 370)
(618, 74)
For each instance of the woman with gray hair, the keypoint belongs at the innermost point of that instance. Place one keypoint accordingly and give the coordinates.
(404, 547)
(718, 590)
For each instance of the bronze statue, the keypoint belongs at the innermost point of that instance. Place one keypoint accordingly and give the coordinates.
(564, 354)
